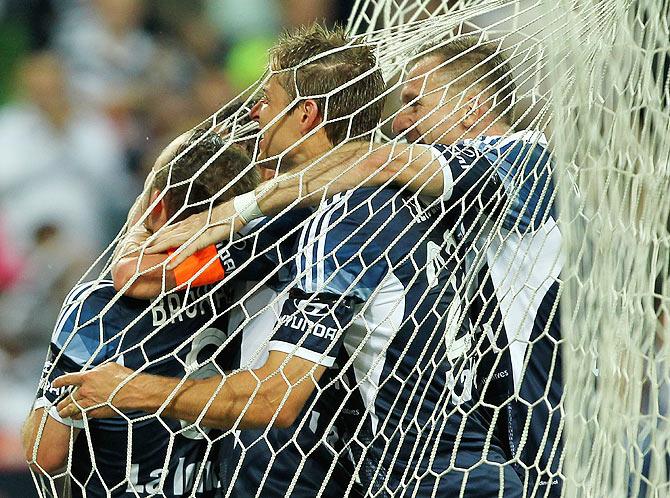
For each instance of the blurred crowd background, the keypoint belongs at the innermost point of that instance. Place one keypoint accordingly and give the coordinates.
(90, 91)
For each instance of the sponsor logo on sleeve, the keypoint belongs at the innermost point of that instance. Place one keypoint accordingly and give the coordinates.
(308, 318)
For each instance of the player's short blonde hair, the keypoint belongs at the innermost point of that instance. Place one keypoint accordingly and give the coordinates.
(477, 62)
(315, 60)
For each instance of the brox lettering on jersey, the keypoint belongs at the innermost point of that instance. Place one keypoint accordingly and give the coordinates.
(182, 481)
(171, 308)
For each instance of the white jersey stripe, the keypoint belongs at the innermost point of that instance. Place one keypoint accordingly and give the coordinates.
(523, 268)
(384, 317)
(338, 201)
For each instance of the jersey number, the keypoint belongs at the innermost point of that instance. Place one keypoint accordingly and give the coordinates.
(210, 338)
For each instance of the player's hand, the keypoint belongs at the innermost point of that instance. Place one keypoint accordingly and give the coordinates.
(95, 392)
(196, 232)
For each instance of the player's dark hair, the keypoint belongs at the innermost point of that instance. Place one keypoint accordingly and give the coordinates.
(187, 186)
(471, 59)
(320, 63)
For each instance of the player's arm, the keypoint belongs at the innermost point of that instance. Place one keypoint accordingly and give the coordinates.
(353, 165)
(450, 172)
(349, 166)
(137, 274)
(48, 454)
(144, 276)
(273, 394)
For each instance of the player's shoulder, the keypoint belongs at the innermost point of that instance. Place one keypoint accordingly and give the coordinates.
(508, 148)
(355, 235)
(263, 246)
(368, 212)
(524, 167)
(363, 206)
(494, 148)
(365, 221)
(80, 328)
(88, 298)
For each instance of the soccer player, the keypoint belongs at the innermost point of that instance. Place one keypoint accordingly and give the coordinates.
(140, 455)
(495, 174)
(296, 459)
(458, 97)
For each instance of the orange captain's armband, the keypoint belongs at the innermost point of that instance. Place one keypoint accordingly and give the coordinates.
(207, 258)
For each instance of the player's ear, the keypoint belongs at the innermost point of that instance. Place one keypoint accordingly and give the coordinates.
(474, 109)
(155, 194)
(310, 116)
(159, 213)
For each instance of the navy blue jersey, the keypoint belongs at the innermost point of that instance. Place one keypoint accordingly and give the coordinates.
(504, 191)
(274, 462)
(176, 336)
(377, 284)
(263, 249)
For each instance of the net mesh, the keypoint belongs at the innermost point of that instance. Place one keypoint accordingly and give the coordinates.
(508, 339)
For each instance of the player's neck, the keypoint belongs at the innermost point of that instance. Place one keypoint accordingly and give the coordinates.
(310, 150)
(495, 129)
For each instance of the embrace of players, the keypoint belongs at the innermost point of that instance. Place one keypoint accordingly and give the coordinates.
(389, 328)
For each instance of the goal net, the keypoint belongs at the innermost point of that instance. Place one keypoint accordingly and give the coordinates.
(473, 291)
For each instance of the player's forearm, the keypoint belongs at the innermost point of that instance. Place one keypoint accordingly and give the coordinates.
(48, 453)
(351, 166)
(146, 274)
(345, 168)
(239, 397)
(413, 166)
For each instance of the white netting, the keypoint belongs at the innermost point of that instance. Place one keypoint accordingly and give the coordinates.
(508, 339)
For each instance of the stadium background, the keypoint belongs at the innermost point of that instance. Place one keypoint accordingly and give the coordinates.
(89, 92)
